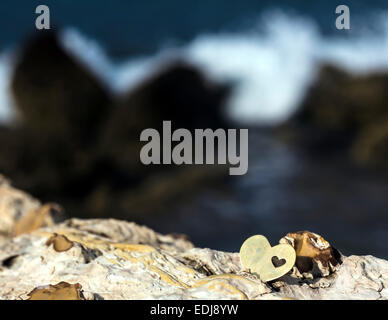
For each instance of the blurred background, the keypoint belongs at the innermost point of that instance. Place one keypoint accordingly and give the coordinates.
(74, 100)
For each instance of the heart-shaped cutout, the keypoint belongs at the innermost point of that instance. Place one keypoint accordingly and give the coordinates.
(269, 263)
(277, 262)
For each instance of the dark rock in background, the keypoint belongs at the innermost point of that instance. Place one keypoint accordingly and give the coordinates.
(77, 145)
(55, 94)
(345, 114)
(178, 93)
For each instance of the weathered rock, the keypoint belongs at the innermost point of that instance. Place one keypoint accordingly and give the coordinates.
(112, 259)
(315, 257)
(144, 265)
(358, 277)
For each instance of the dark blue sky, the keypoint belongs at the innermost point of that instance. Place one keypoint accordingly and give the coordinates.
(126, 27)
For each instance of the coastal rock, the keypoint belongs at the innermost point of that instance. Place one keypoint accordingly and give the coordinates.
(77, 142)
(182, 94)
(144, 265)
(178, 92)
(55, 93)
(111, 259)
(60, 106)
(315, 257)
(358, 278)
(344, 114)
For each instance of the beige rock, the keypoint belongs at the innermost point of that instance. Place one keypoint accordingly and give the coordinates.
(134, 262)
(111, 259)
(358, 277)
(146, 266)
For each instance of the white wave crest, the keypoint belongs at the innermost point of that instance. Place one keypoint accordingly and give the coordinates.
(271, 65)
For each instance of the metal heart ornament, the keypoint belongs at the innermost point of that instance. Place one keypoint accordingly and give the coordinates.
(269, 263)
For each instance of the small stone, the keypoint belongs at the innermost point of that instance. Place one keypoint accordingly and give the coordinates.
(60, 243)
(59, 291)
(315, 257)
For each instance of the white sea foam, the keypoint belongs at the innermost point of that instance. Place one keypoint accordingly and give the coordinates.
(88, 52)
(270, 70)
(6, 103)
(271, 65)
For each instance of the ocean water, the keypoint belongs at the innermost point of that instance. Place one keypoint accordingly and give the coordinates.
(135, 27)
(270, 51)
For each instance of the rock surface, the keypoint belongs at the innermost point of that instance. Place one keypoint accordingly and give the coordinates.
(315, 256)
(112, 259)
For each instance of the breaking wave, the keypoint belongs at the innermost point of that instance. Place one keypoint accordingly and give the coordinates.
(271, 65)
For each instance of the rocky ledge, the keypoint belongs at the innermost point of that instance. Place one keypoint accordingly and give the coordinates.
(111, 259)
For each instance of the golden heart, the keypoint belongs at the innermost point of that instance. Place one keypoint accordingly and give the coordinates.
(269, 263)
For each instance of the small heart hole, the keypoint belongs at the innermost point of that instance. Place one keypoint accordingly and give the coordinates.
(277, 262)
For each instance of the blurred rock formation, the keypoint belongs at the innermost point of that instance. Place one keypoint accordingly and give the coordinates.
(76, 144)
(345, 114)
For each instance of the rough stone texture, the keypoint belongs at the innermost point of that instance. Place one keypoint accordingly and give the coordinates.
(315, 256)
(358, 277)
(112, 259)
(143, 265)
